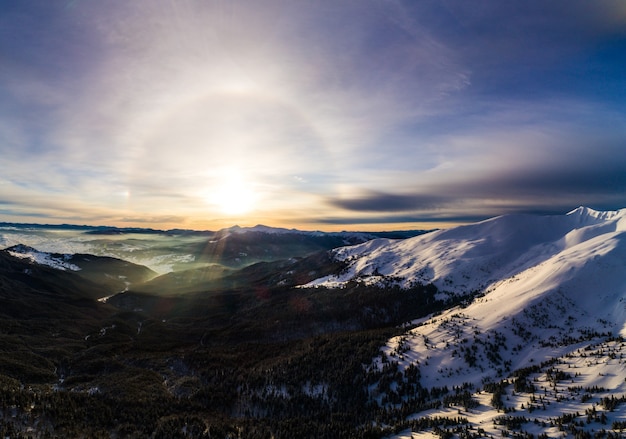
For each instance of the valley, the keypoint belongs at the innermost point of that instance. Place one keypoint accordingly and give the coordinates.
(510, 327)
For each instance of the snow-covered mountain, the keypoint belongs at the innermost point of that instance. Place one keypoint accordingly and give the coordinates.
(550, 291)
(478, 256)
(543, 274)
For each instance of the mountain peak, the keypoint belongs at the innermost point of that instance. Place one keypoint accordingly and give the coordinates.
(587, 213)
(581, 210)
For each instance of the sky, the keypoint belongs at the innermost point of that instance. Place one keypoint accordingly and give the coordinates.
(328, 115)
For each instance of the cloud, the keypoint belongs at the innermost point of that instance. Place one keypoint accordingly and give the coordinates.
(164, 219)
(542, 165)
(385, 202)
(404, 219)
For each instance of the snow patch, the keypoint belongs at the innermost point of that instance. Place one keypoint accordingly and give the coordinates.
(58, 262)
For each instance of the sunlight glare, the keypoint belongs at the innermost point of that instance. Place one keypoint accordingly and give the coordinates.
(234, 195)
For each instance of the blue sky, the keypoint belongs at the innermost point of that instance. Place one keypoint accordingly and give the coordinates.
(363, 114)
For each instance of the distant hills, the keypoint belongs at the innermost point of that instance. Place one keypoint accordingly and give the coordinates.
(112, 230)
(178, 249)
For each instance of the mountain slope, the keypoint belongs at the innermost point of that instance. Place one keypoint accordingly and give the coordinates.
(30, 284)
(111, 274)
(470, 258)
(550, 294)
(44, 313)
(546, 278)
(574, 296)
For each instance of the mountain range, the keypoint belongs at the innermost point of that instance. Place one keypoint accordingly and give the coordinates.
(513, 326)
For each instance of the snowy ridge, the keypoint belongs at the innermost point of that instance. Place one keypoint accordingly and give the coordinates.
(473, 257)
(58, 262)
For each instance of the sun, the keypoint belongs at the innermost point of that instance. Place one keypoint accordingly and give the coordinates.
(234, 195)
